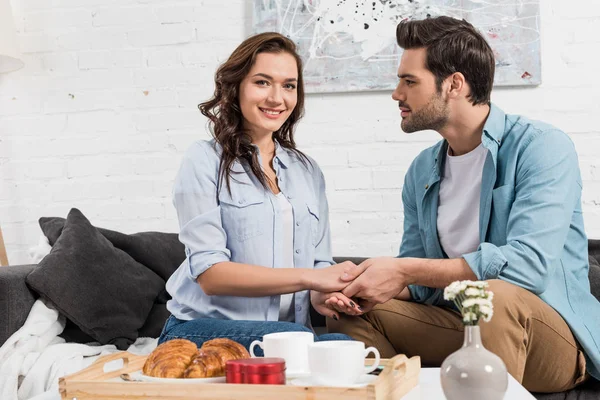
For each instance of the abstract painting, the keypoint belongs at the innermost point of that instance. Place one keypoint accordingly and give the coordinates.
(350, 45)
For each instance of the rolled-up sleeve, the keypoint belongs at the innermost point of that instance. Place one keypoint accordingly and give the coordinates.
(547, 189)
(323, 256)
(198, 211)
(412, 244)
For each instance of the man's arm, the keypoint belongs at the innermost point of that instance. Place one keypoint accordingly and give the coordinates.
(380, 279)
(436, 273)
(412, 244)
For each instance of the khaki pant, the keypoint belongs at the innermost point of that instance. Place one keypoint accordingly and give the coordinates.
(532, 339)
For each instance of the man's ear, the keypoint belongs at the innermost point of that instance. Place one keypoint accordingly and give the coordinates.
(458, 86)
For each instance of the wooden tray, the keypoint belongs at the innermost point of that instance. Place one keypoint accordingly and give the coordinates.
(398, 377)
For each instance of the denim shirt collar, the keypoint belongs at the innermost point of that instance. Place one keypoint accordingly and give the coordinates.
(493, 133)
(495, 124)
(282, 156)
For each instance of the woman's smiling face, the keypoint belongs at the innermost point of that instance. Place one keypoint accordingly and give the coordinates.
(268, 94)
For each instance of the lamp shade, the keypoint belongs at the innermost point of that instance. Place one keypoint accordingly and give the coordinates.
(10, 58)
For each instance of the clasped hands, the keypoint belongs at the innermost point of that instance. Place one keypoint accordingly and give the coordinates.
(358, 288)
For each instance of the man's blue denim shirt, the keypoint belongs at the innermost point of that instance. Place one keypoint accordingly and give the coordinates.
(530, 221)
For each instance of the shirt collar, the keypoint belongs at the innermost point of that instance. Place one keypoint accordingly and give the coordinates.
(495, 124)
(493, 128)
(282, 155)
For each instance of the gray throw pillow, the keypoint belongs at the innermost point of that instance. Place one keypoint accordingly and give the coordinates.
(162, 252)
(100, 288)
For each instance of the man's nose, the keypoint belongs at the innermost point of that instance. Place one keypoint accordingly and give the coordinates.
(398, 94)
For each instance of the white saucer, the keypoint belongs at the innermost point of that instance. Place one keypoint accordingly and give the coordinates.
(296, 374)
(138, 375)
(363, 381)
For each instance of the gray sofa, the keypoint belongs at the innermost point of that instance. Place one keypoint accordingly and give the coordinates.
(16, 300)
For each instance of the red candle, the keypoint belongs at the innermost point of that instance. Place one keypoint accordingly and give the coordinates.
(264, 371)
(233, 372)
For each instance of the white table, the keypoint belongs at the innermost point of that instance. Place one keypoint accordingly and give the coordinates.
(430, 388)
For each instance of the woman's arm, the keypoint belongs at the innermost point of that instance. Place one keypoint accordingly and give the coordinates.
(236, 279)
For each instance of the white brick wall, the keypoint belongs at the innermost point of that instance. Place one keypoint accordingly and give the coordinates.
(100, 115)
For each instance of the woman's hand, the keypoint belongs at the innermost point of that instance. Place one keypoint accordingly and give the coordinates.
(330, 304)
(329, 279)
(341, 303)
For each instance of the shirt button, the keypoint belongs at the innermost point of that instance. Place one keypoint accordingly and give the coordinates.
(297, 251)
(297, 223)
(240, 201)
(289, 196)
(298, 308)
(426, 186)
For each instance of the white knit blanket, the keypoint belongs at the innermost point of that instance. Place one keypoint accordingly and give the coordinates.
(34, 357)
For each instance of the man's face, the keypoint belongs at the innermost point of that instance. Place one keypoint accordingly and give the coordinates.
(421, 106)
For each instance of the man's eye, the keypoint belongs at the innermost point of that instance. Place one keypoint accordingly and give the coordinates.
(409, 82)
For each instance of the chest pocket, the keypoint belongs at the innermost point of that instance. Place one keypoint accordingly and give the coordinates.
(502, 201)
(242, 212)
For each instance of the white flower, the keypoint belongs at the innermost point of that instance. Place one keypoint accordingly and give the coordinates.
(473, 292)
(472, 300)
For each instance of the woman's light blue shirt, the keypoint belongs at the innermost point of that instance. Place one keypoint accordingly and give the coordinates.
(244, 226)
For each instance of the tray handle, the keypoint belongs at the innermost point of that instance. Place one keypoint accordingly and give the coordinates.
(402, 367)
(131, 362)
(398, 377)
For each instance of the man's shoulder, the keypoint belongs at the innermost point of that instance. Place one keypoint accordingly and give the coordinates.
(528, 136)
(529, 129)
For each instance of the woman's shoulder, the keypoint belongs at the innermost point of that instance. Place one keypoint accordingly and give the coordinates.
(205, 151)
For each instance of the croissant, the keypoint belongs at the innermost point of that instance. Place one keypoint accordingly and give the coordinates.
(170, 359)
(180, 358)
(227, 349)
(205, 364)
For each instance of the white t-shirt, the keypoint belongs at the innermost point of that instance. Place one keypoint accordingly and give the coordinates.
(286, 305)
(458, 206)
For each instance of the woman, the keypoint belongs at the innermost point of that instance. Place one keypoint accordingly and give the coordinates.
(252, 209)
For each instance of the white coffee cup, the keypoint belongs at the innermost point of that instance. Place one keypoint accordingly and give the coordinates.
(339, 362)
(291, 346)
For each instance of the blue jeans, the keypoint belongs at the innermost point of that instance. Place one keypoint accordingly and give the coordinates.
(243, 332)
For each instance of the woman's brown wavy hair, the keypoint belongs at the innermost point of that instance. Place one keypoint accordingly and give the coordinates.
(224, 113)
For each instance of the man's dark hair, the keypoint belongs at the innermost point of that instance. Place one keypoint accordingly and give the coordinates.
(452, 45)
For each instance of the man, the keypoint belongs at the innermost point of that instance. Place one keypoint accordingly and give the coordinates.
(498, 199)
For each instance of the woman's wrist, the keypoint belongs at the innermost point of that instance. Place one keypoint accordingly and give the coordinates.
(307, 278)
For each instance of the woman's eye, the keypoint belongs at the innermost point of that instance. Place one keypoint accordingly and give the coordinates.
(262, 83)
(290, 86)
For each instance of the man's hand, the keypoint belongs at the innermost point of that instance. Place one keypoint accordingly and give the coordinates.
(330, 304)
(376, 280)
(328, 280)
